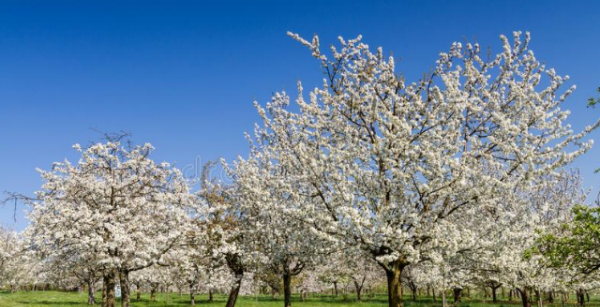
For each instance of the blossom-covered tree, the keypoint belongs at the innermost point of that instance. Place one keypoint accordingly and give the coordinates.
(287, 244)
(505, 257)
(18, 266)
(115, 208)
(9, 246)
(227, 232)
(349, 265)
(385, 164)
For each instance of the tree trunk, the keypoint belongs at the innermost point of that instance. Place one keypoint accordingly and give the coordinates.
(235, 291)
(139, 291)
(358, 288)
(335, 289)
(457, 296)
(287, 289)
(210, 295)
(510, 295)
(91, 298)
(104, 292)
(587, 296)
(110, 283)
(494, 296)
(153, 290)
(550, 297)
(413, 290)
(234, 262)
(580, 298)
(433, 292)
(192, 295)
(524, 297)
(125, 290)
(393, 272)
(444, 303)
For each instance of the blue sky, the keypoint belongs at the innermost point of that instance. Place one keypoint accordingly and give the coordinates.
(183, 75)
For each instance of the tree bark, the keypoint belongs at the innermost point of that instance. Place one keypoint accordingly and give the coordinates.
(104, 292)
(153, 290)
(335, 289)
(444, 303)
(210, 295)
(125, 289)
(287, 289)
(433, 292)
(393, 272)
(587, 296)
(524, 298)
(457, 295)
(90, 282)
(358, 287)
(235, 291)
(234, 262)
(580, 298)
(139, 291)
(110, 283)
(413, 290)
(192, 295)
(494, 296)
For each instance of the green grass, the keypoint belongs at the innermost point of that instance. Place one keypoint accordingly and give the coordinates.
(74, 299)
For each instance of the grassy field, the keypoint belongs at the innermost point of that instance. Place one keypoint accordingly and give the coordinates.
(74, 299)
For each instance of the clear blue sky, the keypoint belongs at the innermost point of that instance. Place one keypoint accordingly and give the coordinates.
(183, 75)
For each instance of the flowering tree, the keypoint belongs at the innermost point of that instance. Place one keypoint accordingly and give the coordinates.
(562, 251)
(349, 266)
(69, 272)
(385, 164)
(516, 224)
(9, 246)
(184, 268)
(228, 233)
(287, 244)
(153, 278)
(334, 270)
(18, 267)
(116, 208)
(309, 282)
